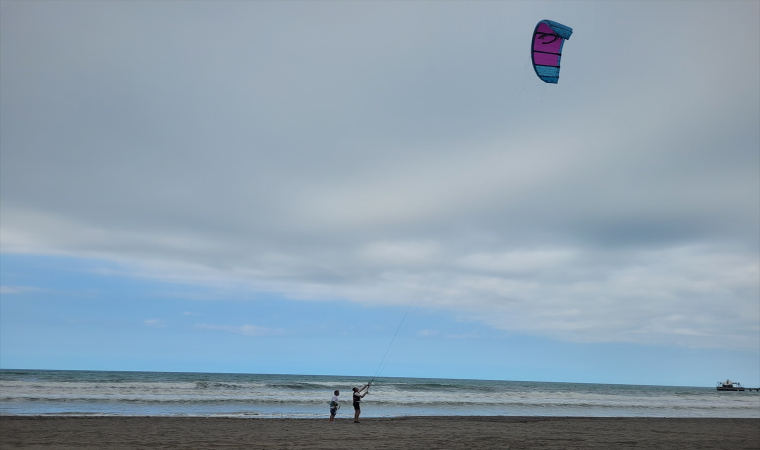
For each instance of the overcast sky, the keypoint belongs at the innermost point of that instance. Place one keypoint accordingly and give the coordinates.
(380, 155)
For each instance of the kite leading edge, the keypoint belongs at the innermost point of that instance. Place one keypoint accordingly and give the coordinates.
(546, 49)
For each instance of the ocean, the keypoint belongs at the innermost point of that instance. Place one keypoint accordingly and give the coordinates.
(100, 393)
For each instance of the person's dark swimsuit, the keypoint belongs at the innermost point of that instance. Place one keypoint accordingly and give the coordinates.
(357, 401)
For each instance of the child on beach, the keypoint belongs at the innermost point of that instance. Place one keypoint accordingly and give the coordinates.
(357, 401)
(334, 405)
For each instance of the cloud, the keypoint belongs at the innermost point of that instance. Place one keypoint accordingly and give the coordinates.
(158, 323)
(463, 336)
(690, 296)
(400, 253)
(246, 330)
(8, 290)
(323, 159)
(518, 261)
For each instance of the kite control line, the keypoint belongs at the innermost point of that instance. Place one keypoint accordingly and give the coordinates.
(546, 52)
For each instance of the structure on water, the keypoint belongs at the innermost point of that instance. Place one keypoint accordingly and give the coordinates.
(729, 385)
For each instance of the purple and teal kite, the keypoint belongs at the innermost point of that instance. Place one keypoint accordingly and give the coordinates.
(546, 49)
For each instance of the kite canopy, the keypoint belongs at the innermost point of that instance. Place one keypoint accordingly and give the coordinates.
(546, 49)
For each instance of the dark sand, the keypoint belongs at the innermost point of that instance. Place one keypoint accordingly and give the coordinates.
(396, 433)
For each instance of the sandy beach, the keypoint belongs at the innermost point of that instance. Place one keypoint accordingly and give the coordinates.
(393, 433)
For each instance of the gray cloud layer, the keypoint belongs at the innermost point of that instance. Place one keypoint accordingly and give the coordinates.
(359, 151)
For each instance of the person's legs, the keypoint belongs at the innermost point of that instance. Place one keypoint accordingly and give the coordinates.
(357, 411)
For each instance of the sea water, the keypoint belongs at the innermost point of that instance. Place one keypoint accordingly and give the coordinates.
(48, 392)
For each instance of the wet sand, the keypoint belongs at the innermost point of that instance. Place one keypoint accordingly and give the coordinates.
(394, 433)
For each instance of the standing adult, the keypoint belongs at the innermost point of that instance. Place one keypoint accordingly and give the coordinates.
(334, 405)
(358, 396)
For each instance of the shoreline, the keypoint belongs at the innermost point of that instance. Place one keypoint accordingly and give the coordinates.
(451, 432)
